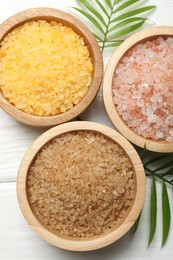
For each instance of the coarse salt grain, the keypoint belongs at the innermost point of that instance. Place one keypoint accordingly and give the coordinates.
(81, 196)
(148, 107)
(45, 68)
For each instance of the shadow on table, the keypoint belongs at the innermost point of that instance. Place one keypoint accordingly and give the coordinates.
(111, 252)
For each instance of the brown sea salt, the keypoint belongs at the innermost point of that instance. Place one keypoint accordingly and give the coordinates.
(81, 184)
(143, 89)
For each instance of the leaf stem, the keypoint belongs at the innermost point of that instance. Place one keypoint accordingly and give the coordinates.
(157, 175)
(107, 27)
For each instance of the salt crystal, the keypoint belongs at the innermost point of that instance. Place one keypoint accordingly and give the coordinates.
(145, 60)
(159, 40)
(145, 85)
(139, 59)
(159, 134)
(154, 106)
(169, 139)
(134, 54)
(144, 127)
(140, 103)
(160, 99)
(125, 116)
(170, 119)
(149, 111)
(171, 132)
(131, 59)
(126, 59)
(157, 79)
(169, 40)
(154, 98)
(124, 106)
(130, 80)
(155, 65)
(115, 92)
(147, 106)
(150, 54)
(153, 118)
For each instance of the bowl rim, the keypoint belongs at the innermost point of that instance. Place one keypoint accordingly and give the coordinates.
(95, 53)
(90, 243)
(141, 36)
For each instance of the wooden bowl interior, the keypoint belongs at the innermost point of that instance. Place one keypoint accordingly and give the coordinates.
(82, 244)
(67, 237)
(95, 54)
(138, 38)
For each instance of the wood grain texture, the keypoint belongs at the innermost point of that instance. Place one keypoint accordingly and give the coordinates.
(142, 36)
(24, 244)
(17, 240)
(50, 14)
(90, 243)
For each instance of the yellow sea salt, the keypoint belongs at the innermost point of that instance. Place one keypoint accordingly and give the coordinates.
(45, 68)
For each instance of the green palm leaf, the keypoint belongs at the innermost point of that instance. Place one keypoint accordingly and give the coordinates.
(109, 3)
(123, 6)
(153, 211)
(168, 172)
(158, 158)
(102, 19)
(114, 44)
(164, 166)
(97, 37)
(126, 22)
(102, 8)
(166, 214)
(91, 19)
(133, 13)
(144, 152)
(92, 10)
(125, 31)
(135, 226)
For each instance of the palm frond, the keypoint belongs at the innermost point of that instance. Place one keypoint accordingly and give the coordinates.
(102, 8)
(123, 6)
(102, 16)
(159, 158)
(97, 37)
(93, 11)
(162, 172)
(153, 211)
(109, 3)
(168, 172)
(166, 214)
(114, 44)
(126, 22)
(135, 226)
(126, 31)
(91, 18)
(133, 13)
(164, 166)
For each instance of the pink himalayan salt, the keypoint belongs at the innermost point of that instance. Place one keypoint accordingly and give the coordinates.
(143, 89)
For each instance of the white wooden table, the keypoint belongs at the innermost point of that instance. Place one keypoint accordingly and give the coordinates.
(17, 240)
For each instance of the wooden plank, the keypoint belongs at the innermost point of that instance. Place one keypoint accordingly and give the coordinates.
(15, 138)
(19, 242)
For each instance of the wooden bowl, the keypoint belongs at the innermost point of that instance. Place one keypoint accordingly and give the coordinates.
(68, 20)
(139, 37)
(89, 243)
